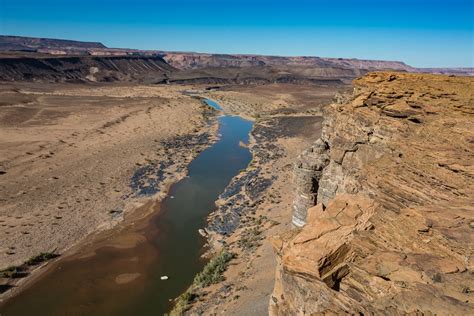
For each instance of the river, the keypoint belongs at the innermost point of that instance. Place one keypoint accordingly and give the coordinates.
(127, 280)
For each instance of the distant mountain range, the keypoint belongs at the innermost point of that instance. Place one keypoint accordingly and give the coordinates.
(20, 43)
(29, 58)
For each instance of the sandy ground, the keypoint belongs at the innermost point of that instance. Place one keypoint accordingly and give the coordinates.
(285, 99)
(67, 154)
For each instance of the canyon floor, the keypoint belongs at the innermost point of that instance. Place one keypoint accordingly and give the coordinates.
(77, 160)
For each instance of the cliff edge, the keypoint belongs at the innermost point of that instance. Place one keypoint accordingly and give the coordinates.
(392, 228)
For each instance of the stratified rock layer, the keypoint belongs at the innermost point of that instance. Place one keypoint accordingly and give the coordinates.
(308, 170)
(393, 229)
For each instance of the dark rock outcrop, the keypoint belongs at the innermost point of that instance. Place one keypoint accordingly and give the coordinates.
(84, 68)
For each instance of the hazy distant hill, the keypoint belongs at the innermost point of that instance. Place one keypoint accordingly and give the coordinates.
(200, 60)
(34, 43)
(464, 71)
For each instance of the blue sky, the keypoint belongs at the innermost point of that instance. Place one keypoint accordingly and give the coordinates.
(423, 33)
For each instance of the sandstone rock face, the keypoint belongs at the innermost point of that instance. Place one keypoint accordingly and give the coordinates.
(392, 231)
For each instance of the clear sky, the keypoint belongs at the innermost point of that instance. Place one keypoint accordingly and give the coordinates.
(423, 33)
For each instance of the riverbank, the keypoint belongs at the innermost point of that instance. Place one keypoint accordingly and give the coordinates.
(257, 203)
(68, 154)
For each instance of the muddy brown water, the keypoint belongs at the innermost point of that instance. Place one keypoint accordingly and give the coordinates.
(126, 280)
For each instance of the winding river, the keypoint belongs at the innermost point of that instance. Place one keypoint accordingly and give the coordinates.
(126, 279)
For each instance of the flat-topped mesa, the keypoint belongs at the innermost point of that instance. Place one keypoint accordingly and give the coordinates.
(392, 231)
(307, 173)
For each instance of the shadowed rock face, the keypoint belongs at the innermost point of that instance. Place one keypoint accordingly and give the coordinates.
(85, 69)
(392, 229)
(307, 173)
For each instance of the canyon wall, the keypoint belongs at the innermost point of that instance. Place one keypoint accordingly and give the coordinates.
(53, 60)
(56, 60)
(392, 180)
(84, 68)
(185, 60)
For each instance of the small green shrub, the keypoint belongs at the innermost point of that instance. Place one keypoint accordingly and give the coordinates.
(182, 303)
(250, 238)
(21, 271)
(13, 273)
(211, 274)
(42, 257)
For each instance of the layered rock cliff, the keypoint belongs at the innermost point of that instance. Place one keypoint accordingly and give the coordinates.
(55, 60)
(392, 180)
(201, 60)
(85, 68)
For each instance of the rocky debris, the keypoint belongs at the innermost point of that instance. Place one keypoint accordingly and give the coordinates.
(247, 190)
(238, 198)
(147, 179)
(392, 229)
